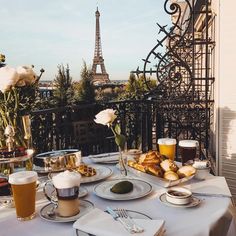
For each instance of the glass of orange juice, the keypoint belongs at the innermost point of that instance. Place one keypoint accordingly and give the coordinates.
(167, 147)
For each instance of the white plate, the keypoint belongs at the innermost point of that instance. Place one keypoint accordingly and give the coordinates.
(157, 180)
(105, 158)
(85, 206)
(132, 214)
(141, 189)
(193, 202)
(102, 172)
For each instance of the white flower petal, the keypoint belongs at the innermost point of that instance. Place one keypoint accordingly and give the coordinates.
(8, 78)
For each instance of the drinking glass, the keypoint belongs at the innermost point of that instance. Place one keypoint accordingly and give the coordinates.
(23, 186)
(167, 147)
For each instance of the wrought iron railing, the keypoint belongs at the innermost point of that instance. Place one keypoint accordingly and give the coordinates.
(143, 122)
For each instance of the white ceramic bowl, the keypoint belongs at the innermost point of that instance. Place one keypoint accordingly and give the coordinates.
(201, 173)
(178, 195)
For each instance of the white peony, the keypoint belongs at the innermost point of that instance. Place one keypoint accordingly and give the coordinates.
(26, 75)
(8, 78)
(106, 117)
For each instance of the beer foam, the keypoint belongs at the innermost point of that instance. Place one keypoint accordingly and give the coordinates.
(188, 143)
(23, 177)
(166, 141)
(66, 179)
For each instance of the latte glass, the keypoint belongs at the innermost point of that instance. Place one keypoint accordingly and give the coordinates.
(167, 147)
(66, 185)
(23, 186)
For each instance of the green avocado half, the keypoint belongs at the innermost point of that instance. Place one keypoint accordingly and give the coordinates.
(122, 187)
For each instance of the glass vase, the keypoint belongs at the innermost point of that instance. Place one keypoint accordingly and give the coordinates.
(123, 163)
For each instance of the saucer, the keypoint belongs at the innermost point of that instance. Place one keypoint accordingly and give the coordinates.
(85, 207)
(194, 201)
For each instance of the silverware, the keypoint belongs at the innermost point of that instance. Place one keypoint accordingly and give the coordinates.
(126, 225)
(124, 214)
(51, 212)
(210, 194)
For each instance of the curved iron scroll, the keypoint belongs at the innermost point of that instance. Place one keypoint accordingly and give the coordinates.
(173, 68)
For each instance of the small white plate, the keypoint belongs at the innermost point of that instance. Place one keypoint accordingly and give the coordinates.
(132, 214)
(85, 206)
(141, 189)
(193, 202)
(105, 158)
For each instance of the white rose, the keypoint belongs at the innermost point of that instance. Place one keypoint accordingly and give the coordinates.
(8, 78)
(26, 74)
(105, 117)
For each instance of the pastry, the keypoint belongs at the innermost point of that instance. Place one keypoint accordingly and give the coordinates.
(170, 175)
(186, 171)
(140, 167)
(136, 166)
(149, 158)
(168, 165)
(86, 171)
(154, 170)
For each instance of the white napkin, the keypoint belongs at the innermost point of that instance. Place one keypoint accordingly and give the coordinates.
(100, 223)
(105, 157)
(211, 185)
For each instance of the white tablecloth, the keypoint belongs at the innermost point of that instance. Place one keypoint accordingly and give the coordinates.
(215, 216)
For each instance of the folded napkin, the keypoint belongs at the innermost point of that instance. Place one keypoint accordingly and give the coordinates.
(105, 157)
(100, 223)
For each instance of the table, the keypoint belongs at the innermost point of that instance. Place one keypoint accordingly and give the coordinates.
(214, 216)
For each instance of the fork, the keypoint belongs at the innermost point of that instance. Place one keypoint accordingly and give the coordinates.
(124, 214)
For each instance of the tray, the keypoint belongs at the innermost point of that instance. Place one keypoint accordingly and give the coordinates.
(157, 180)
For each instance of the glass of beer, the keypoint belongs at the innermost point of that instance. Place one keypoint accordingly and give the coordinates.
(167, 147)
(188, 150)
(23, 186)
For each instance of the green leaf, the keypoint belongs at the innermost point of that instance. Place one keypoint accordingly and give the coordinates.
(117, 129)
(120, 141)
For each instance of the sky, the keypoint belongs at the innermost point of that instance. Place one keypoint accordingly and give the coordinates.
(46, 33)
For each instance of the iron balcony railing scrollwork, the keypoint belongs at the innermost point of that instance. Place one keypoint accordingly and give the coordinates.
(183, 95)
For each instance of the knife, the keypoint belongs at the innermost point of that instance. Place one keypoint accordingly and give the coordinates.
(115, 216)
(210, 194)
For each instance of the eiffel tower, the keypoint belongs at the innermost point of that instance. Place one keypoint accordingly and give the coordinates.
(98, 77)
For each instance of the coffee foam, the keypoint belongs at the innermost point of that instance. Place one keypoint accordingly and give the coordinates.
(23, 177)
(66, 179)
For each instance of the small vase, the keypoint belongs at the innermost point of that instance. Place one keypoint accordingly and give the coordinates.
(122, 163)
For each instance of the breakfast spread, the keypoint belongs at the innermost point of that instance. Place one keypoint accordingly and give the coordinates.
(158, 165)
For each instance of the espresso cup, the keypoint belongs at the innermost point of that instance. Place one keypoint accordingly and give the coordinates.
(23, 186)
(66, 188)
(188, 150)
(167, 147)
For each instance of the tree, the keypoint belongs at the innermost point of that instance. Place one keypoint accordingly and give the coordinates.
(137, 87)
(63, 94)
(85, 90)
